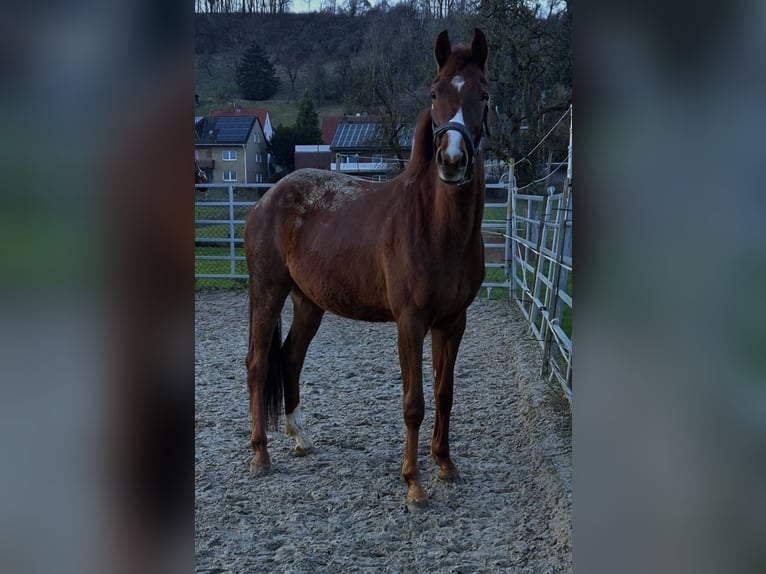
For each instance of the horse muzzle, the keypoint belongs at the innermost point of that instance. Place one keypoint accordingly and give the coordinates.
(450, 169)
(454, 163)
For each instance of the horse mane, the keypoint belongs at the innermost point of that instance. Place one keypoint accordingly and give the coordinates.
(422, 145)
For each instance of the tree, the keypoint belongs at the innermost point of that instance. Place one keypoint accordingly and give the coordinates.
(304, 131)
(531, 76)
(283, 145)
(307, 123)
(391, 72)
(256, 76)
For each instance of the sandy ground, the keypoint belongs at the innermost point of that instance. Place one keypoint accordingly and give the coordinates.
(341, 509)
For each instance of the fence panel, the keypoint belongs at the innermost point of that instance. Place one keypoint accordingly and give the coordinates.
(541, 276)
(219, 221)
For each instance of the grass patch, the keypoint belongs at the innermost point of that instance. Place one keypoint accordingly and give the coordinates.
(495, 213)
(217, 283)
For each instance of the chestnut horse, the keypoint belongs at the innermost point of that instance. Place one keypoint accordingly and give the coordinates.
(408, 250)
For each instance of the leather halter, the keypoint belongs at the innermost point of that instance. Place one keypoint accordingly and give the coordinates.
(472, 147)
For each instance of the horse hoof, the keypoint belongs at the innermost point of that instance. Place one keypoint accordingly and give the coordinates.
(303, 451)
(452, 478)
(417, 505)
(259, 468)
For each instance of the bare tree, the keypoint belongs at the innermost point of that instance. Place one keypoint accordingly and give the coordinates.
(292, 57)
(530, 67)
(390, 73)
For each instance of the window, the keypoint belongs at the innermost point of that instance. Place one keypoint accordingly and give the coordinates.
(256, 137)
(257, 158)
(230, 175)
(258, 177)
(229, 155)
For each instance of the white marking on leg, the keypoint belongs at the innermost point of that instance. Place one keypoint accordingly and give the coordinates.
(294, 428)
(453, 151)
(458, 82)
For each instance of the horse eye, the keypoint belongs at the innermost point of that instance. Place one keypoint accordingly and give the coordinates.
(485, 96)
(433, 95)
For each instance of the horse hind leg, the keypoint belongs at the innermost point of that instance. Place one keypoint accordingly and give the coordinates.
(264, 376)
(306, 320)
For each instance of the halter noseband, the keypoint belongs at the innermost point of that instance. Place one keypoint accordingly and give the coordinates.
(472, 147)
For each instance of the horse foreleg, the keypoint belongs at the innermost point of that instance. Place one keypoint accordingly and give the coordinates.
(411, 333)
(306, 320)
(445, 340)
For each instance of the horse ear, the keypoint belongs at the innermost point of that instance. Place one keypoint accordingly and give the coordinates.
(442, 50)
(479, 48)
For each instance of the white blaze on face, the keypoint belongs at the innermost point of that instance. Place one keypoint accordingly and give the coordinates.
(458, 82)
(453, 151)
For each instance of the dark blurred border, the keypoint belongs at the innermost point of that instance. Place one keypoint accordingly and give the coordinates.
(670, 401)
(96, 338)
(98, 292)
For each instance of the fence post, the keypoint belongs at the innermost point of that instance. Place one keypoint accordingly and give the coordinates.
(556, 264)
(232, 261)
(509, 267)
(533, 310)
(516, 261)
(563, 217)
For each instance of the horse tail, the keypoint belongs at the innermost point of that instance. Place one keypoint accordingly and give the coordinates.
(273, 389)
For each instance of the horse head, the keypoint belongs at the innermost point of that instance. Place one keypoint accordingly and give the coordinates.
(459, 106)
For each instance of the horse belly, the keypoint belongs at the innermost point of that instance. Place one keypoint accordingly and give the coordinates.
(343, 286)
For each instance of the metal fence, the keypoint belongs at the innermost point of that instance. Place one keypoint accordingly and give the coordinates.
(528, 256)
(541, 274)
(220, 211)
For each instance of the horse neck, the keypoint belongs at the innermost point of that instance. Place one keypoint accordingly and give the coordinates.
(457, 213)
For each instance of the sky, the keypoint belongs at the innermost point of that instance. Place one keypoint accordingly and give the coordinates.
(314, 5)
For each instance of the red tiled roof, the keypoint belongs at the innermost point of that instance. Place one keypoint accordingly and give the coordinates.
(329, 126)
(260, 113)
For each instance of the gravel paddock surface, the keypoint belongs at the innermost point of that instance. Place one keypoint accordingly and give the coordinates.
(341, 508)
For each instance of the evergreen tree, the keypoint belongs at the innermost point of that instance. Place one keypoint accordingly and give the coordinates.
(256, 75)
(307, 123)
(283, 146)
(305, 131)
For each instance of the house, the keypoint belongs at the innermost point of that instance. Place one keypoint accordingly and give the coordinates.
(232, 148)
(263, 116)
(329, 127)
(314, 155)
(318, 156)
(359, 148)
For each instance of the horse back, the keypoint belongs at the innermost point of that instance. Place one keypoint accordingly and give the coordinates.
(329, 231)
